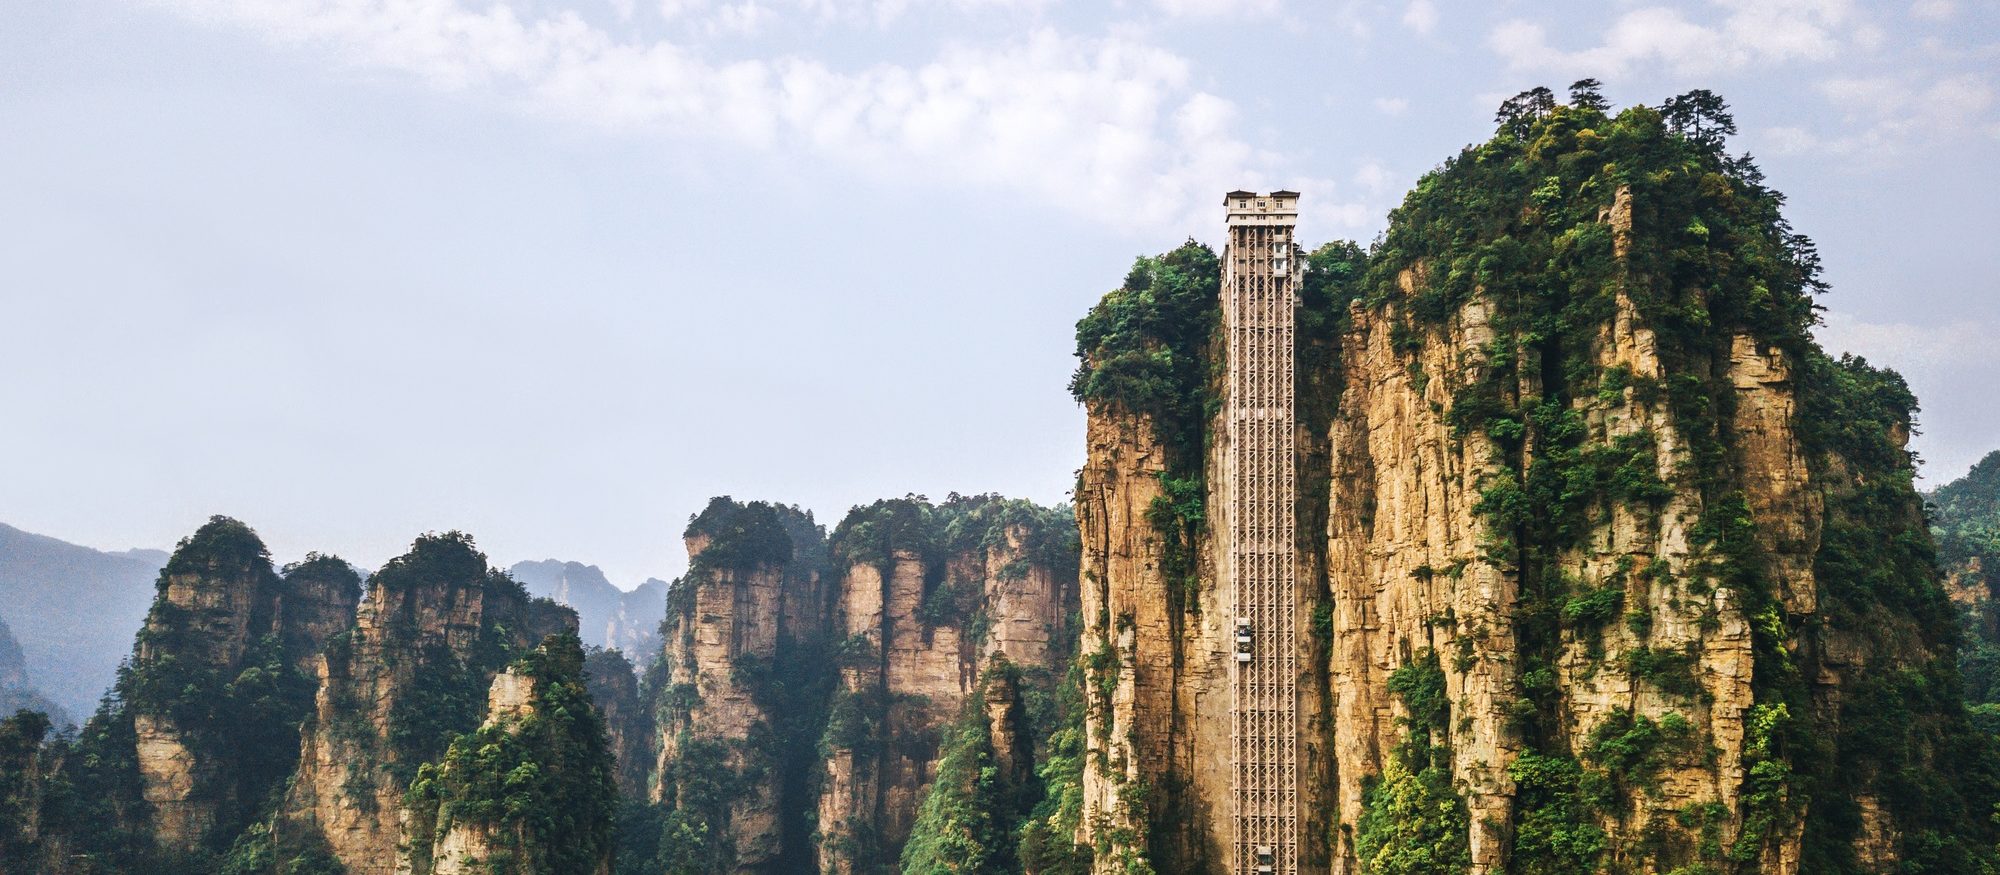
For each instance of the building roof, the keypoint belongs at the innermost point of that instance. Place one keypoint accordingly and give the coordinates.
(1239, 193)
(1282, 193)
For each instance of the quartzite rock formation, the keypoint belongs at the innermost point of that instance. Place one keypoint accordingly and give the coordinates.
(1614, 567)
(930, 599)
(215, 679)
(436, 627)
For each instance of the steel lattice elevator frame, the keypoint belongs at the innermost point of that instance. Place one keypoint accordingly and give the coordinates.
(1261, 265)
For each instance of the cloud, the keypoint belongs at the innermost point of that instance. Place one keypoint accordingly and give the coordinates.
(1420, 16)
(741, 19)
(885, 12)
(1888, 116)
(1392, 105)
(1217, 8)
(1110, 128)
(1748, 32)
(1375, 179)
(1934, 10)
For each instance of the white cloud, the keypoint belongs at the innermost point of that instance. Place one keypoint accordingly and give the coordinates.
(1787, 140)
(1748, 32)
(1934, 10)
(1420, 16)
(1215, 8)
(1392, 105)
(1111, 128)
(1887, 116)
(1375, 179)
(749, 17)
(886, 12)
(673, 10)
(741, 19)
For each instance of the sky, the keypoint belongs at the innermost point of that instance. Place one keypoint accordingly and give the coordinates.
(553, 272)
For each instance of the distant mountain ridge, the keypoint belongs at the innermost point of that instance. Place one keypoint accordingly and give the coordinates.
(606, 615)
(72, 609)
(17, 690)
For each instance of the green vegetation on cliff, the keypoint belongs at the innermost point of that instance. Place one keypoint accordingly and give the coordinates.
(447, 694)
(976, 817)
(1966, 522)
(1413, 821)
(963, 525)
(217, 669)
(968, 823)
(1529, 224)
(1145, 347)
(1048, 843)
(535, 789)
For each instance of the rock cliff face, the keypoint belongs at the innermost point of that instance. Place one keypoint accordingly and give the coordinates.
(1158, 687)
(742, 649)
(1617, 570)
(808, 688)
(215, 683)
(317, 602)
(413, 673)
(214, 753)
(930, 599)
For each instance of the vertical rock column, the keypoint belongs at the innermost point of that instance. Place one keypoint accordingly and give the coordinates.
(733, 662)
(933, 596)
(436, 626)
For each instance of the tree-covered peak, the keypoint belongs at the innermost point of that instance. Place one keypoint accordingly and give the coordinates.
(325, 568)
(874, 533)
(222, 544)
(1977, 494)
(1966, 515)
(741, 534)
(451, 558)
(1143, 347)
(1530, 214)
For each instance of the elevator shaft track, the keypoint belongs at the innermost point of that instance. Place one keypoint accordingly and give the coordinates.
(1260, 269)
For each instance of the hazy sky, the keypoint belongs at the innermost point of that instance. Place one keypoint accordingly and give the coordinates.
(554, 272)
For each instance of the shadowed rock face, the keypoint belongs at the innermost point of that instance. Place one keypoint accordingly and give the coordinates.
(614, 689)
(1966, 522)
(16, 692)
